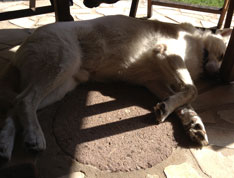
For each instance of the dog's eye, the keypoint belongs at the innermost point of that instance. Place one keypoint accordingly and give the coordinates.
(205, 54)
(220, 57)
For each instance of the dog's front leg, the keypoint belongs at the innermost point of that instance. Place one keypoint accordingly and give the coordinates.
(179, 83)
(165, 108)
(7, 138)
(193, 124)
(184, 92)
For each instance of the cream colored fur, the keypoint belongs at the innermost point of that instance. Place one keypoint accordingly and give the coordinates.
(165, 58)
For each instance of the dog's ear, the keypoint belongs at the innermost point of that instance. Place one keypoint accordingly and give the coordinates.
(225, 33)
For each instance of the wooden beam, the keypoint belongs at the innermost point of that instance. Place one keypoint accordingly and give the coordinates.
(223, 13)
(25, 13)
(181, 5)
(229, 14)
(227, 67)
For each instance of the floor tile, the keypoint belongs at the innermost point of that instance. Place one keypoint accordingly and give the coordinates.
(227, 115)
(74, 175)
(181, 170)
(152, 176)
(220, 137)
(23, 22)
(214, 163)
(215, 97)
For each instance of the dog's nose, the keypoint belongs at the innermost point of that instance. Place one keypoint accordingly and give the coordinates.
(212, 68)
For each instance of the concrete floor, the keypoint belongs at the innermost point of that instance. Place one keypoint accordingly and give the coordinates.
(215, 104)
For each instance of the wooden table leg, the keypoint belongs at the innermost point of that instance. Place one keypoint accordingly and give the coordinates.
(227, 68)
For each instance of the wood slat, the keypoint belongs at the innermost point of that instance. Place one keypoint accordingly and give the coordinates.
(187, 6)
(32, 4)
(25, 13)
(229, 14)
(227, 67)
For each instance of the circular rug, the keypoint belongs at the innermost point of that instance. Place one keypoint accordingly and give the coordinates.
(112, 127)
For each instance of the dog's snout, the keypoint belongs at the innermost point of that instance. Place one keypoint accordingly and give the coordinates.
(212, 67)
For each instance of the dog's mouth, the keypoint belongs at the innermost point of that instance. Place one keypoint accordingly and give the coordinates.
(211, 75)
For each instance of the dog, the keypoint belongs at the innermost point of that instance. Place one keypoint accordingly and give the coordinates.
(165, 58)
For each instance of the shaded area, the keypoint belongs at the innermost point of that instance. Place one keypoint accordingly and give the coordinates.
(112, 127)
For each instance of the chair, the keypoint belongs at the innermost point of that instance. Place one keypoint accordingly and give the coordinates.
(227, 68)
(222, 11)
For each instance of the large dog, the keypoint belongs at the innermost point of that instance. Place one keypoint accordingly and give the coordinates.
(165, 58)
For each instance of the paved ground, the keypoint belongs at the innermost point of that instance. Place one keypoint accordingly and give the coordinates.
(215, 104)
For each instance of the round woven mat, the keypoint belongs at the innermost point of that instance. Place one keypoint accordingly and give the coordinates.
(112, 127)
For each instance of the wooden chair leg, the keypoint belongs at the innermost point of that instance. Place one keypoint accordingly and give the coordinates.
(62, 10)
(134, 8)
(149, 9)
(227, 67)
(32, 4)
(229, 14)
(223, 13)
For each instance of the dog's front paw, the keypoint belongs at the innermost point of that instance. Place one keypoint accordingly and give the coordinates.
(194, 126)
(6, 147)
(160, 111)
(198, 135)
(34, 140)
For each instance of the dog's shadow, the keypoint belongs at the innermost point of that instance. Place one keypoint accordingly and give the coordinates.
(93, 99)
(70, 114)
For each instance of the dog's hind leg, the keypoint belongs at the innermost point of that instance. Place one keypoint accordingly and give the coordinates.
(39, 94)
(26, 107)
(193, 124)
(25, 110)
(48, 75)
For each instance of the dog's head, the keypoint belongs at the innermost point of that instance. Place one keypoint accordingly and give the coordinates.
(214, 50)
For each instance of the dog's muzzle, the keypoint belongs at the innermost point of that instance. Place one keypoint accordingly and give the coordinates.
(210, 69)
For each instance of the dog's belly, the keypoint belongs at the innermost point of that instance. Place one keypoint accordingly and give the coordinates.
(110, 63)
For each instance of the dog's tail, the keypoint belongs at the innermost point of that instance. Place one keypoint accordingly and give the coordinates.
(9, 86)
